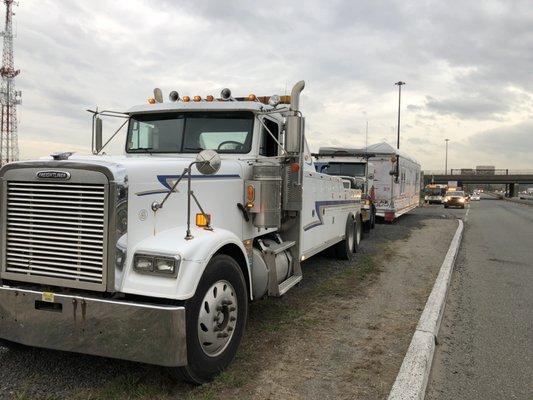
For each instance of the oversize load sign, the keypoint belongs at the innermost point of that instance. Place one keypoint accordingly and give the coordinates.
(53, 175)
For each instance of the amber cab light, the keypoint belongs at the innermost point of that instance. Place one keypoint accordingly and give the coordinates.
(186, 99)
(203, 220)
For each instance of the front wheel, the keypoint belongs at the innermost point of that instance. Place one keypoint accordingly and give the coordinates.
(215, 319)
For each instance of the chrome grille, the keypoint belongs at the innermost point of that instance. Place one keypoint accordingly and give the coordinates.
(56, 230)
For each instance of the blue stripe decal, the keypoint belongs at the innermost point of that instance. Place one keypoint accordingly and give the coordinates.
(320, 205)
(164, 180)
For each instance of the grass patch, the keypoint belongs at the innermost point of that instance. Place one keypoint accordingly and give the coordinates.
(343, 283)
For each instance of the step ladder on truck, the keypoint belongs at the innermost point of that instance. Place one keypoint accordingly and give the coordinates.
(153, 255)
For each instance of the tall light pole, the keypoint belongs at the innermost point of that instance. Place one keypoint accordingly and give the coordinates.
(446, 160)
(400, 84)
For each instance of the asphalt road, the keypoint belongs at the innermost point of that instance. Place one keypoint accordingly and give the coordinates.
(485, 346)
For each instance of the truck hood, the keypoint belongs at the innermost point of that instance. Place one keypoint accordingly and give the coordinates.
(145, 170)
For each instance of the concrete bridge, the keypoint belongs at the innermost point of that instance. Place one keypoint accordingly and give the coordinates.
(510, 178)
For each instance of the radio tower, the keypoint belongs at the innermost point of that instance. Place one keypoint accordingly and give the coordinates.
(9, 97)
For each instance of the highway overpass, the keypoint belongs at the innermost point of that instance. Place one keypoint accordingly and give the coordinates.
(510, 178)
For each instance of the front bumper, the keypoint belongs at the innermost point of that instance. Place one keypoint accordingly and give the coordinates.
(147, 333)
(455, 203)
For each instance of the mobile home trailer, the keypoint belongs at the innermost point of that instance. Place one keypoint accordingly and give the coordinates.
(396, 180)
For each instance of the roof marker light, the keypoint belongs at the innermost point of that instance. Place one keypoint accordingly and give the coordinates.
(197, 98)
(186, 99)
(209, 98)
(151, 100)
(252, 97)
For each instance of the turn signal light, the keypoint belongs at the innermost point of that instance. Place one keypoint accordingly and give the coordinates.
(186, 99)
(250, 193)
(203, 220)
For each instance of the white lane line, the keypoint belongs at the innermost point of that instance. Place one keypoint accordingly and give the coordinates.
(413, 377)
(466, 214)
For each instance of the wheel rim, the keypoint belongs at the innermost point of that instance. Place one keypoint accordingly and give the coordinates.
(217, 318)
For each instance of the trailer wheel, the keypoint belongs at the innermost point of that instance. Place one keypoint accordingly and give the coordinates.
(345, 248)
(215, 319)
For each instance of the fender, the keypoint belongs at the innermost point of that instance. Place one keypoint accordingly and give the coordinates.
(195, 255)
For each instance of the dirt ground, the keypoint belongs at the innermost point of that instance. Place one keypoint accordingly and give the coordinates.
(341, 335)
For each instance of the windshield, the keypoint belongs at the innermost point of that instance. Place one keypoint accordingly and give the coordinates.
(456, 194)
(346, 169)
(435, 191)
(190, 132)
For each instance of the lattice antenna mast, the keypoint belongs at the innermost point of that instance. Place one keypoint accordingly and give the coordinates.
(9, 97)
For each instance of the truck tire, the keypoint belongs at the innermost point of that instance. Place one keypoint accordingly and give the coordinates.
(215, 320)
(358, 233)
(345, 248)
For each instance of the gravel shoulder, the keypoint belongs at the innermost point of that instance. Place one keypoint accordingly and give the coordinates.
(341, 335)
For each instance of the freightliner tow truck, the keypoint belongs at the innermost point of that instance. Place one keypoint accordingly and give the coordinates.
(153, 256)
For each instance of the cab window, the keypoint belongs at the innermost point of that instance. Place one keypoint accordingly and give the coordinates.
(268, 146)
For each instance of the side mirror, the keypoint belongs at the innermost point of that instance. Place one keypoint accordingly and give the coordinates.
(98, 134)
(208, 162)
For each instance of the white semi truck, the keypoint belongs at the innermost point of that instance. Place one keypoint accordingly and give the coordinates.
(153, 256)
(353, 166)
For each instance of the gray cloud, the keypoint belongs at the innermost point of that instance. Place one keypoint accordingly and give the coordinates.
(462, 61)
(508, 141)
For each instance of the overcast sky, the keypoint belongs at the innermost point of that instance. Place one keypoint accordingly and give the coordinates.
(468, 66)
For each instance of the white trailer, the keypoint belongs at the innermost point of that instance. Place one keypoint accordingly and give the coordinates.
(396, 181)
(152, 256)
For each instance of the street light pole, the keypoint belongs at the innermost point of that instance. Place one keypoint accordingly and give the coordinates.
(446, 160)
(400, 84)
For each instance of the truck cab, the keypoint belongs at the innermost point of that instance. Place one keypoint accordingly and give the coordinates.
(354, 168)
(153, 255)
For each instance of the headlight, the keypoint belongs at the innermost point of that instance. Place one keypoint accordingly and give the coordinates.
(155, 264)
(461, 200)
(446, 198)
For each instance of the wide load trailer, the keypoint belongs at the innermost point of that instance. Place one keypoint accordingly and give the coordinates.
(396, 180)
(153, 255)
(357, 172)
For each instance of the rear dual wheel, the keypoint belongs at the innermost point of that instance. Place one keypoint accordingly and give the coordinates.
(352, 238)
